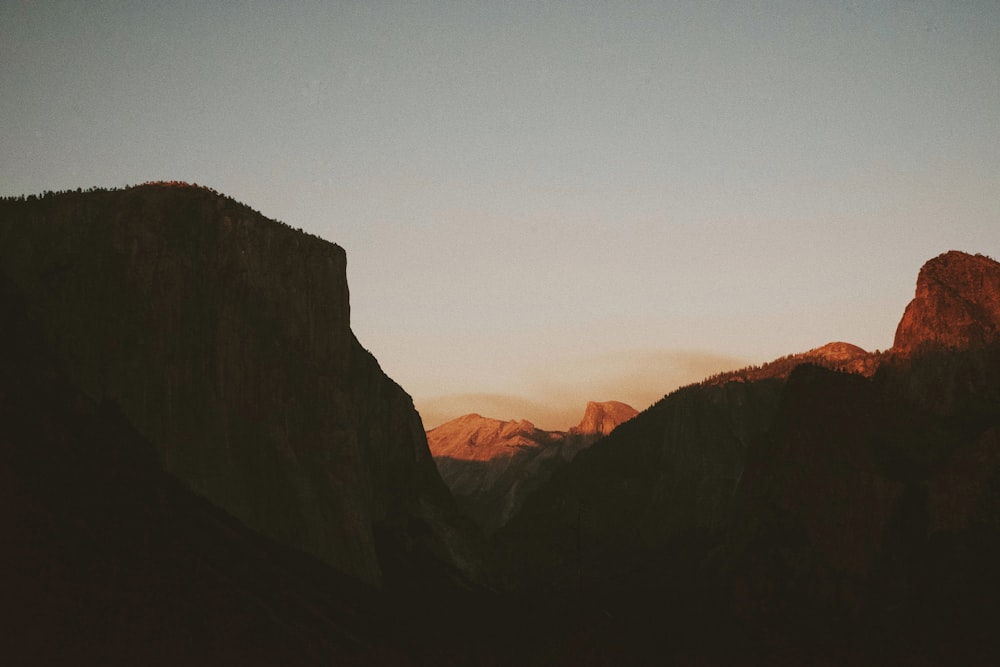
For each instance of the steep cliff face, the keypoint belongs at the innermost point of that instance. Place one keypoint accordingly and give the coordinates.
(492, 465)
(109, 560)
(225, 339)
(956, 306)
(600, 419)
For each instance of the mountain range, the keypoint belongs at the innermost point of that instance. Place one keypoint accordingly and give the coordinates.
(200, 464)
(491, 465)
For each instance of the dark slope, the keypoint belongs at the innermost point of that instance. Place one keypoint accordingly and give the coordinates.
(864, 506)
(225, 339)
(859, 521)
(663, 481)
(106, 559)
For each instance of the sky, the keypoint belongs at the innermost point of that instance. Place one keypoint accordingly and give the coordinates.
(545, 203)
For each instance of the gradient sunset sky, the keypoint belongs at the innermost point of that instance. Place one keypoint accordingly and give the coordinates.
(547, 203)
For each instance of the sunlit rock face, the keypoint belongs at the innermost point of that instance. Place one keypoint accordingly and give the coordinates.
(492, 465)
(599, 420)
(476, 438)
(225, 339)
(956, 306)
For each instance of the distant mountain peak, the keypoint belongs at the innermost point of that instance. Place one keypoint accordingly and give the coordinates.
(473, 437)
(838, 355)
(492, 465)
(838, 352)
(956, 305)
(600, 418)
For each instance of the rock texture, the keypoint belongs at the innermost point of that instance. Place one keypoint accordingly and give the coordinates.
(225, 338)
(600, 419)
(492, 465)
(956, 306)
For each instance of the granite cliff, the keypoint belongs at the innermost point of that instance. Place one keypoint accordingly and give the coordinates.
(956, 306)
(224, 338)
(492, 465)
(109, 560)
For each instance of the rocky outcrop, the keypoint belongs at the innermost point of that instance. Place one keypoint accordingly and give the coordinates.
(225, 338)
(600, 419)
(492, 465)
(956, 306)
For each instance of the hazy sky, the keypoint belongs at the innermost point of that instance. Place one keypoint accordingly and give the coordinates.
(545, 203)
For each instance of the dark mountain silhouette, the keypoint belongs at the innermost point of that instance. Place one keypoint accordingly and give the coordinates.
(225, 339)
(492, 465)
(807, 509)
(199, 464)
